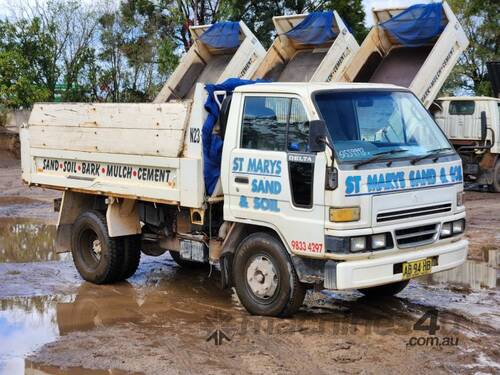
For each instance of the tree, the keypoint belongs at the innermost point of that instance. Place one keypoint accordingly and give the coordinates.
(25, 65)
(480, 20)
(56, 36)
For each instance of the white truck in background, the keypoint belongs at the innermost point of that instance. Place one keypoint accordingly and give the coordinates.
(472, 124)
(422, 67)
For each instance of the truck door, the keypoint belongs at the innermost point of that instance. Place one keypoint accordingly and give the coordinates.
(274, 180)
(465, 119)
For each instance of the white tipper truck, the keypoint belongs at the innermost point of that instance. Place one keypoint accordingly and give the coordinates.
(338, 185)
(415, 47)
(472, 124)
(313, 47)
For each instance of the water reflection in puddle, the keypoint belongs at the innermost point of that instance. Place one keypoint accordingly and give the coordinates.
(24, 241)
(159, 292)
(472, 274)
(25, 325)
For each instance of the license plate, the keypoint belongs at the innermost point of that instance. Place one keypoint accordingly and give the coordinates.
(417, 268)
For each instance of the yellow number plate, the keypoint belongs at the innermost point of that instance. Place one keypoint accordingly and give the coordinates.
(417, 268)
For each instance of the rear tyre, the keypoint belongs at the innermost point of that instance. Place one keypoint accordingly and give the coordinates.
(495, 186)
(176, 256)
(387, 290)
(97, 257)
(264, 277)
(131, 256)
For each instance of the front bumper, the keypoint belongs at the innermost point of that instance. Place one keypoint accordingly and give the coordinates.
(366, 273)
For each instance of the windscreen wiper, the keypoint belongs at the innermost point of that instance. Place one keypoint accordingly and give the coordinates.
(431, 154)
(379, 155)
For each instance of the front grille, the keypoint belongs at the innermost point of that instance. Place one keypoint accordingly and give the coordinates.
(416, 236)
(413, 212)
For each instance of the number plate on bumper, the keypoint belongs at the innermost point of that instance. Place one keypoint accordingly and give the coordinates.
(417, 268)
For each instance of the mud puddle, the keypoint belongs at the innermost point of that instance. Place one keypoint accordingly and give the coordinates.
(23, 241)
(33, 368)
(474, 275)
(171, 320)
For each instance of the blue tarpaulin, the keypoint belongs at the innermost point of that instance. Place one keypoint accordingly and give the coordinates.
(417, 25)
(315, 29)
(212, 143)
(222, 35)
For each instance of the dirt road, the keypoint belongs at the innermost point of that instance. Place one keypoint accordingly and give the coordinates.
(168, 320)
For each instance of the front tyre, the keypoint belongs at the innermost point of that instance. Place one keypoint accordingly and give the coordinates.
(264, 277)
(97, 257)
(387, 290)
(495, 186)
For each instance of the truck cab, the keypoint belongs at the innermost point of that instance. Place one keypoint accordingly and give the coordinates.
(472, 124)
(382, 200)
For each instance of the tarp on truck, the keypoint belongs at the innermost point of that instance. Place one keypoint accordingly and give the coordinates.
(315, 29)
(222, 35)
(417, 25)
(212, 143)
(308, 47)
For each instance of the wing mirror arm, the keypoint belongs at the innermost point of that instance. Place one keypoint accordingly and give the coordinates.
(318, 137)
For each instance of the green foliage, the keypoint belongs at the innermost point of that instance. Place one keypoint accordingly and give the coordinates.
(125, 52)
(480, 20)
(23, 60)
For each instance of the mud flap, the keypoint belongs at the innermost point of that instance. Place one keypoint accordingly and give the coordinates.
(225, 270)
(331, 275)
(63, 238)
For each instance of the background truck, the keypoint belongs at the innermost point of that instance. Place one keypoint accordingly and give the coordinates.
(415, 47)
(472, 124)
(219, 51)
(312, 47)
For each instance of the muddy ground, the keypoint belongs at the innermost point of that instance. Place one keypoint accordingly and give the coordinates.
(168, 320)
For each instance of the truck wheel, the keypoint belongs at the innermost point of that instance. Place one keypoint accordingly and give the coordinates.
(387, 290)
(495, 186)
(264, 277)
(131, 255)
(97, 257)
(176, 256)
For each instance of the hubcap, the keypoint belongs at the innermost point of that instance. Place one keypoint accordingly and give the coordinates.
(262, 277)
(96, 249)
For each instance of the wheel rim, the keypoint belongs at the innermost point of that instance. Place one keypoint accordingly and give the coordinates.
(91, 247)
(262, 277)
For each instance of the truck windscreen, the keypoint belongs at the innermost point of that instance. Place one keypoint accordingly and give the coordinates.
(392, 124)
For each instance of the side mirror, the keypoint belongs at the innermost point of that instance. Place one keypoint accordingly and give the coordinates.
(484, 126)
(317, 136)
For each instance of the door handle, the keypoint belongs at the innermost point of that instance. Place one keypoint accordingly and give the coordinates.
(241, 180)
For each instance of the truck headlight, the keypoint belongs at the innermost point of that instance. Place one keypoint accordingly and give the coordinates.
(379, 241)
(344, 214)
(358, 244)
(458, 226)
(446, 230)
